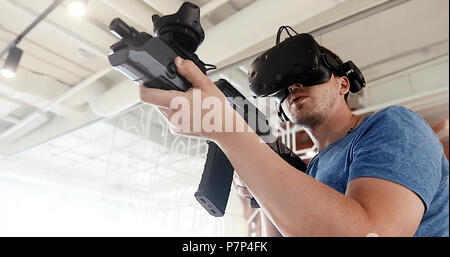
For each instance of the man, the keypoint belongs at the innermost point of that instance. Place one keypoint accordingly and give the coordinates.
(383, 174)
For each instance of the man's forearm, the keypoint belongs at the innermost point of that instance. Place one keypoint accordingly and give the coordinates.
(298, 204)
(268, 228)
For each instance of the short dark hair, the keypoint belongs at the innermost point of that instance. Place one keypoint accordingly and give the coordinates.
(339, 73)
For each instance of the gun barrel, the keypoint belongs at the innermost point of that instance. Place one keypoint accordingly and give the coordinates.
(120, 29)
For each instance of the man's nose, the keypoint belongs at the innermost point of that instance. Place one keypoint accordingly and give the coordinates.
(295, 86)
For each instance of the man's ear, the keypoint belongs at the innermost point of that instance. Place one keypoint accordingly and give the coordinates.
(344, 85)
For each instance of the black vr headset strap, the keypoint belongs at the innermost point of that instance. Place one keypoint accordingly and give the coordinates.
(332, 63)
(283, 117)
(348, 69)
(355, 76)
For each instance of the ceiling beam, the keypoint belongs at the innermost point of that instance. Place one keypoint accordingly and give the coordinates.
(9, 119)
(133, 10)
(165, 7)
(208, 8)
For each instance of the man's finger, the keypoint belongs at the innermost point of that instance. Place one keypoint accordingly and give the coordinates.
(158, 97)
(191, 72)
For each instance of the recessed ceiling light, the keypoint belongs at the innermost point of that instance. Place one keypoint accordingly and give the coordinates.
(7, 73)
(78, 8)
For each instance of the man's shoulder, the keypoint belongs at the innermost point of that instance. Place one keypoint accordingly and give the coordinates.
(396, 111)
(398, 122)
(398, 115)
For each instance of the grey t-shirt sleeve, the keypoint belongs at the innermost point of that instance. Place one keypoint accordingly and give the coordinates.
(399, 146)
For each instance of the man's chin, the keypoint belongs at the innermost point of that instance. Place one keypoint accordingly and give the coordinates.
(306, 119)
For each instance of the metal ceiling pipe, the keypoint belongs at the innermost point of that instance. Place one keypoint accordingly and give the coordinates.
(31, 117)
(107, 103)
(36, 114)
(51, 129)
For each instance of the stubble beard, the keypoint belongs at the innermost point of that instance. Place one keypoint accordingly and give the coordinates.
(310, 114)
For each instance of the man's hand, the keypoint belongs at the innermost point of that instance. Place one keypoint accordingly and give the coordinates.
(200, 111)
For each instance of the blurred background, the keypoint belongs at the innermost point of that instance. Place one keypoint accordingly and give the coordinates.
(81, 156)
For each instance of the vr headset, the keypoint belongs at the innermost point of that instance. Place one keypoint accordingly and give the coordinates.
(298, 59)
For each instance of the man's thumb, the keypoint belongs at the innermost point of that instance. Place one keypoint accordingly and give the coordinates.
(191, 72)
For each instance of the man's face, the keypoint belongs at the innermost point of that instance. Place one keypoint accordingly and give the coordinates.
(310, 106)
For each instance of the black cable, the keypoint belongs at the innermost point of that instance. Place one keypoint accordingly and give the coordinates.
(211, 66)
(286, 28)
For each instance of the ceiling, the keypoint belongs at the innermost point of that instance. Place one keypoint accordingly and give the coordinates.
(65, 82)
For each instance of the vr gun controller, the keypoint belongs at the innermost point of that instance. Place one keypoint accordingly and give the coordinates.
(148, 60)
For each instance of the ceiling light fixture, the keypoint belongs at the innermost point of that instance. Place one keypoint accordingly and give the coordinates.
(15, 53)
(12, 62)
(78, 8)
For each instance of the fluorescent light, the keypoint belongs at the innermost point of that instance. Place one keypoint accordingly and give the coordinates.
(12, 62)
(78, 8)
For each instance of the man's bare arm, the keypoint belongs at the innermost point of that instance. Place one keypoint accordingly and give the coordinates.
(268, 228)
(299, 205)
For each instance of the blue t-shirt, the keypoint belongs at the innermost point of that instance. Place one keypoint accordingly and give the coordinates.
(394, 144)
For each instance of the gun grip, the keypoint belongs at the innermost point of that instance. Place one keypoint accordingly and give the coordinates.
(214, 188)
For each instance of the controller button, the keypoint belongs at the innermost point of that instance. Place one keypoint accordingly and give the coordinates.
(171, 67)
